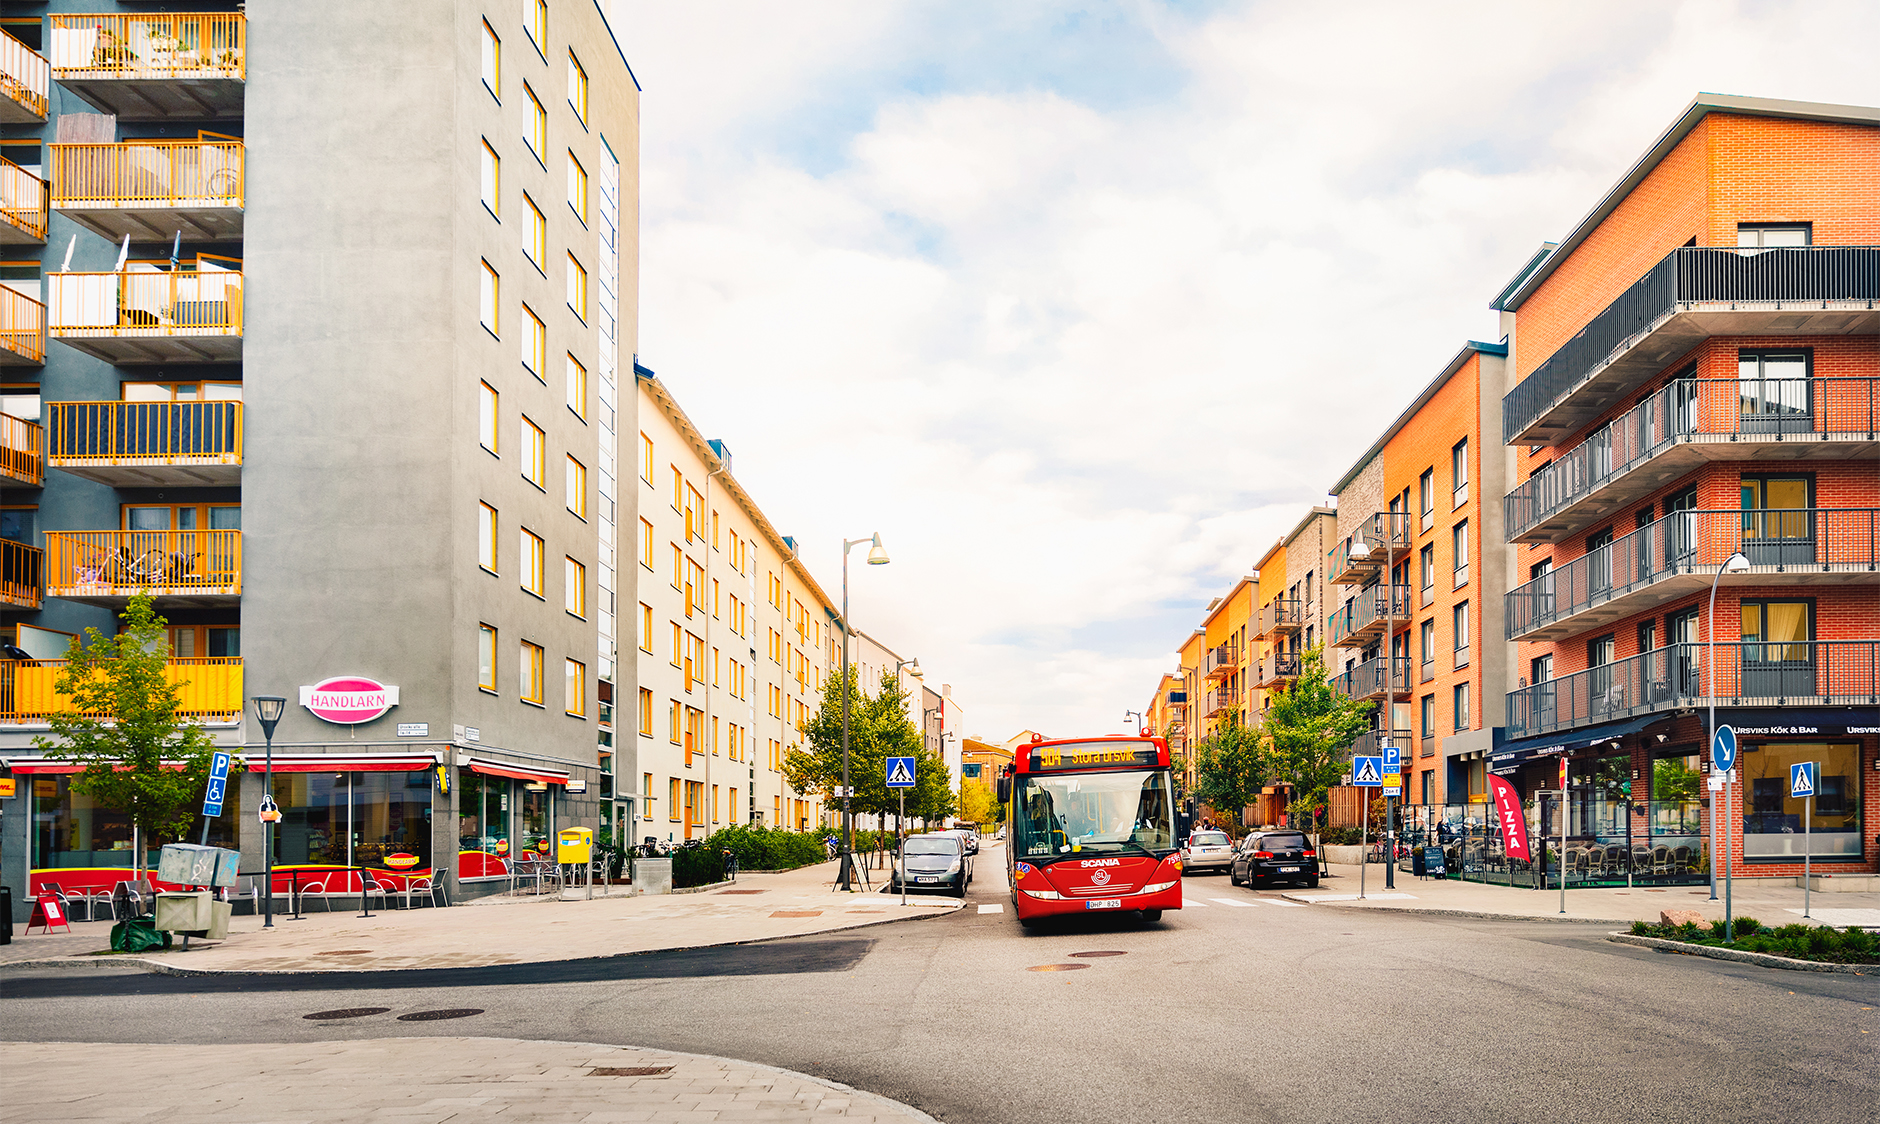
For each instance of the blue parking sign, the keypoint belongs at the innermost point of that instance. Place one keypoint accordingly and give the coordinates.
(218, 785)
(1393, 759)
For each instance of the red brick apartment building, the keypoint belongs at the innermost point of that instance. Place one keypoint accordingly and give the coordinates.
(1695, 375)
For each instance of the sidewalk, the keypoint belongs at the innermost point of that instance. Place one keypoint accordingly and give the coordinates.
(504, 930)
(420, 1079)
(1769, 900)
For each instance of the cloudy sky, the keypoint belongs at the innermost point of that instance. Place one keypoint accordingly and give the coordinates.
(1082, 306)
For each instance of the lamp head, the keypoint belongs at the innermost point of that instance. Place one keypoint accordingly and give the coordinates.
(268, 711)
(913, 668)
(1736, 563)
(877, 555)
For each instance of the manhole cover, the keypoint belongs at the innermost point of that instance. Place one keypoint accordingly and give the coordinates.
(1094, 955)
(637, 1070)
(347, 1013)
(1056, 967)
(346, 952)
(740, 892)
(798, 913)
(433, 1016)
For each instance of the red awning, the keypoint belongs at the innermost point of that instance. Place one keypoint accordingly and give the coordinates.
(536, 773)
(40, 765)
(341, 762)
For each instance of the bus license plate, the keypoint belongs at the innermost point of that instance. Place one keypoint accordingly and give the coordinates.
(1289, 870)
(1106, 903)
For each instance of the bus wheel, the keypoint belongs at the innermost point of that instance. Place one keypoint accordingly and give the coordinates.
(1028, 922)
(1151, 916)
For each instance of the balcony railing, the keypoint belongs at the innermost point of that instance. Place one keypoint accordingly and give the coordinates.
(1368, 615)
(109, 566)
(129, 444)
(21, 456)
(1680, 553)
(1371, 744)
(22, 329)
(22, 575)
(1278, 617)
(1276, 669)
(210, 687)
(1685, 422)
(23, 197)
(1368, 547)
(1220, 699)
(1220, 662)
(1758, 673)
(1369, 680)
(25, 79)
(1730, 281)
(194, 186)
(154, 66)
(148, 317)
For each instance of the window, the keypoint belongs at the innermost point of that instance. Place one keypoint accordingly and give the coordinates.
(675, 797)
(1647, 636)
(492, 62)
(486, 537)
(535, 22)
(486, 416)
(1459, 621)
(1426, 642)
(1459, 551)
(574, 588)
(577, 388)
(534, 124)
(1429, 786)
(1429, 716)
(486, 657)
(1773, 829)
(1426, 572)
(574, 672)
(1778, 657)
(492, 164)
(1774, 234)
(646, 713)
(1459, 471)
(646, 458)
(490, 291)
(529, 553)
(530, 679)
(535, 234)
(646, 544)
(534, 342)
(1462, 706)
(577, 189)
(678, 567)
(1426, 498)
(577, 487)
(1541, 669)
(577, 88)
(534, 454)
(577, 288)
(646, 628)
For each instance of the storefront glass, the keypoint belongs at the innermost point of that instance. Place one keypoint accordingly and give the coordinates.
(482, 824)
(1677, 848)
(377, 820)
(537, 829)
(1772, 820)
(71, 831)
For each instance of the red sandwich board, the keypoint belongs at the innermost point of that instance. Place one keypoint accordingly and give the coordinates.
(47, 912)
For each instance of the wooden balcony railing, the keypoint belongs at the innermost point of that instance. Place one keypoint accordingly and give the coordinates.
(21, 457)
(22, 575)
(145, 304)
(23, 198)
(106, 564)
(151, 173)
(211, 687)
(110, 432)
(22, 328)
(25, 76)
(150, 45)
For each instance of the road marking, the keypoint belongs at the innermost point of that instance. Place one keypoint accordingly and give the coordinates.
(994, 908)
(1276, 901)
(1346, 897)
(1192, 904)
(1233, 902)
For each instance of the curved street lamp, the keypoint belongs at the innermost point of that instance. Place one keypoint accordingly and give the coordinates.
(1735, 564)
(268, 711)
(877, 556)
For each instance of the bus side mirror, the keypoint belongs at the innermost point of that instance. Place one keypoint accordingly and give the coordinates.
(1005, 790)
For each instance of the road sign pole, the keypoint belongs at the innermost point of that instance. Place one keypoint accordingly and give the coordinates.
(1364, 841)
(901, 820)
(1808, 815)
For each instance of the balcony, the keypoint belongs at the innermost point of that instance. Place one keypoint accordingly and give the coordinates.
(1220, 662)
(23, 198)
(1276, 669)
(211, 687)
(1683, 425)
(154, 67)
(20, 456)
(183, 568)
(149, 190)
(22, 575)
(1694, 293)
(149, 317)
(1219, 701)
(1369, 680)
(1680, 554)
(22, 330)
(1371, 744)
(1365, 551)
(25, 79)
(1678, 677)
(1367, 617)
(1279, 617)
(147, 444)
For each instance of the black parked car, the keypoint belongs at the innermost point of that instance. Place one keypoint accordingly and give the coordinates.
(937, 861)
(1265, 857)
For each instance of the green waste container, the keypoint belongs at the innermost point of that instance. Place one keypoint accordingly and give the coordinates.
(140, 934)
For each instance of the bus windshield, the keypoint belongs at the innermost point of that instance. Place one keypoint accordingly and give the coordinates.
(1102, 813)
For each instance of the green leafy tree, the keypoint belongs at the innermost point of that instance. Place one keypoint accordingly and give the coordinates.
(1307, 728)
(978, 803)
(879, 728)
(1231, 767)
(139, 756)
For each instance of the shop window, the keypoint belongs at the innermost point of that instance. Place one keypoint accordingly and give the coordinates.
(376, 820)
(70, 830)
(536, 831)
(1772, 824)
(482, 822)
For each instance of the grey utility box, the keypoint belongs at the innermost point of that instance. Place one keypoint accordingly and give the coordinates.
(652, 876)
(187, 864)
(184, 912)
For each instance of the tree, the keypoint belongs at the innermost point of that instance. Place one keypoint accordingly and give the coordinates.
(978, 803)
(879, 728)
(1231, 767)
(1307, 728)
(139, 756)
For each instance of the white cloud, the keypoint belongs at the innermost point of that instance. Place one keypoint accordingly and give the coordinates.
(1082, 351)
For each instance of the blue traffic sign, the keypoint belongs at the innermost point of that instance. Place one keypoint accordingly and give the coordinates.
(1801, 779)
(1393, 759)
(1723, 749)
(1367, 772)
(900, 772)
(218, 785)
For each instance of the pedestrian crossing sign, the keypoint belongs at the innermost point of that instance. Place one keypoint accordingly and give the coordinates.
(900, 772)
(1367, 772)
(1801, 779)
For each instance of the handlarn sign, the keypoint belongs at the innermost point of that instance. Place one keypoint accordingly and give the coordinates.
(349, 699)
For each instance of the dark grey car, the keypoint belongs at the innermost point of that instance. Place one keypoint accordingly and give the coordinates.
(1266, 857)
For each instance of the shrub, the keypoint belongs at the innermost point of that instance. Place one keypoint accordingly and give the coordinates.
(1747, 925)
(765, 848)
(697, 866)
(1641, 929)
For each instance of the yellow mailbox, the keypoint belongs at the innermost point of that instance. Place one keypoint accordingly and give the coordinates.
(575, 845)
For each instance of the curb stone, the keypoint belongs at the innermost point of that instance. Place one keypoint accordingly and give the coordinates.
(1428, 911)
(1763, 959)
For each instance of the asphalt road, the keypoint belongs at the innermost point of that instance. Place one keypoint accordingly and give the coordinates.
(1252, 1012)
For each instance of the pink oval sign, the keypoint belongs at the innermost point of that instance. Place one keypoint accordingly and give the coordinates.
(349, 699)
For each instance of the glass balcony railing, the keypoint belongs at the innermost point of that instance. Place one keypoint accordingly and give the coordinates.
(210, 687)
(1680, 553)
(22, 329)
(110, 566)
(22, 575)
(23, 199)
(25, 80)
(146, 443)
(21, 456)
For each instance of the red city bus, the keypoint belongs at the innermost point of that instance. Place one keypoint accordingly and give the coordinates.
(1092, 828)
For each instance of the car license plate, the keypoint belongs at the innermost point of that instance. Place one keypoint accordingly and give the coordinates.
(1106, 903)
(1289, 870)
(934, 878)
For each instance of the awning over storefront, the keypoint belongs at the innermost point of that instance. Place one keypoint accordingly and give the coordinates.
(28, 766)
(1513, 755)
(536, 773)
(342, 762)
(1784, 722)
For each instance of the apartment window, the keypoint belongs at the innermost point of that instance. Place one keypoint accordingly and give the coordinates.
(492, 62)
(535, 234)
(1462, 706)
(577, 88)
(675, 721)
(1459, 619)
(534, 454)
(574, 587)
(1426, 643)
(492, 165)
(646, 458)
(646, 628)
(1647, 636)
(529, 553)
(1459, 472)
(534, 342)
(486, 657)
(577, 388)
(678, 567)
(486, 537)
(1541, 668)
(577, 189)
(577, 487)
(486, 416)
(489, 292)
(574, 673)
(675, 798)
(535, 124)
(1459, 551)
(646, 713)
(646, 544)
(577, 288)
(1774, 234)
(1775, 392)
(1429, 786)
(678, 645)
(1426, 498)
(535, 22)
(531, 689)
(1428, 706)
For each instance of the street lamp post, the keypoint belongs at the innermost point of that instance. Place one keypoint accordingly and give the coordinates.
(877, 556)
(1137, 715)
(1735, 564)
(268, 710)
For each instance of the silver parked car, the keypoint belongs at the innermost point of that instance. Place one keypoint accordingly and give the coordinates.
(1207, 850)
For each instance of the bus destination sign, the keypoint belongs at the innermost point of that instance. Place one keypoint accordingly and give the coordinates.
(1094, 755)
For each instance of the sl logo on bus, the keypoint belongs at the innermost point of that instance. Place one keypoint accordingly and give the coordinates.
(1100, 877)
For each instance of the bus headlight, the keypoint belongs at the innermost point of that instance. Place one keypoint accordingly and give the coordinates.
(1046, 895)
(1156, 887)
